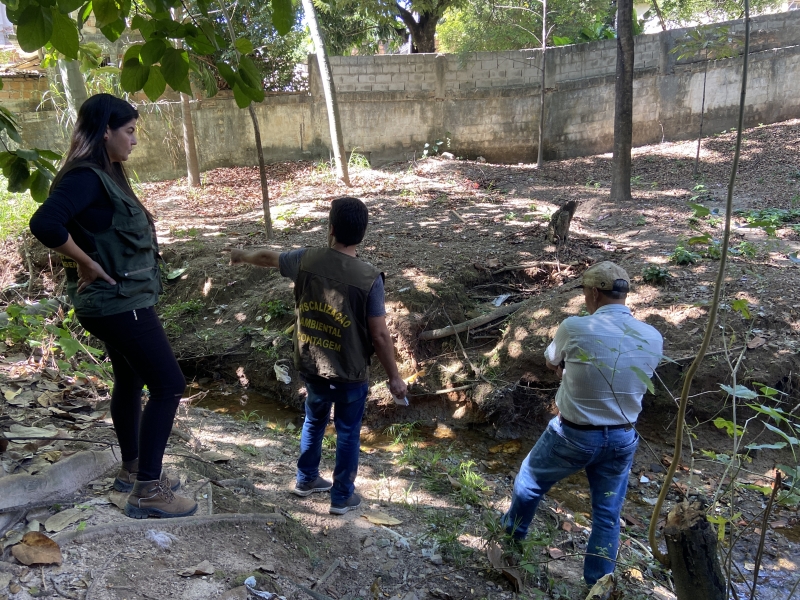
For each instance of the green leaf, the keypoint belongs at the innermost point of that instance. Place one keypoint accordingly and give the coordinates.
(132, 52)
(244, 46)
(85, 13)
(200, 44)
(145, 26)
(249, 74)
(8, 123)
(282, 15)
(40, 185)
(228, 74)
(728, 426)
(741, 306)
(699, 239)
(68, 6)
(792, 440)
(175, 69)
(27, 154)
(34, 28)
(175, 273)
(775, 413)
(775, 446)
(644, 379)
(105, 12)
(114, 30)
(65, 35)
(561, 41)
(17, 173)
(255, 94)
(764, 489)
(699, 210)
(242, 99)
(740, 391)
(155, 85)
(152, 52)
(70, 346)
(134, 75)
(48, 154)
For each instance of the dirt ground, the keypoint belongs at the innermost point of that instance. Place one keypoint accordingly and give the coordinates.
(452, 237)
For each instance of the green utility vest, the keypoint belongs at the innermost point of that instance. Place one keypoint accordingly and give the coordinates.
(128, 252)
(331, 334)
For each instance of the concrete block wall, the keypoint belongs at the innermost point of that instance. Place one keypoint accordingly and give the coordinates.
(23, 93)
(487, 103)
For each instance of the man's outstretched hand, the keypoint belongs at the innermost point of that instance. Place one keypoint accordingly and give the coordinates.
(398, 387)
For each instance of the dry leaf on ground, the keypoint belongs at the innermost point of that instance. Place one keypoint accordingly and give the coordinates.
(37, 549)
(379, 518)
(63, 519)
(495, 555)
(212, 456)
(204, 568)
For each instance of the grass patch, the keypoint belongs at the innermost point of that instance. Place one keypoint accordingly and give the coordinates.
(15, 210)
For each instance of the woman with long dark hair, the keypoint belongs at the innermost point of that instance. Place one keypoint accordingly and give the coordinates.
(109, 250)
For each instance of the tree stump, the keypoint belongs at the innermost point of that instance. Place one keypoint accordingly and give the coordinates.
(692, 549)
(558, 229)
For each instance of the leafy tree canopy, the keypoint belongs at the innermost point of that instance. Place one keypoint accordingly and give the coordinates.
(162, 60)
(487, 25)
(364, 28)
(275, 56)
(681, 13)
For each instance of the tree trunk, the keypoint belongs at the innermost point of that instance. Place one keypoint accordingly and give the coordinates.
(262, 172)
(423, 32)
(74, 86)
(337, 141)
(692, 548)
(702, 114)
(540, 158)
(623, 105)
(192, 164)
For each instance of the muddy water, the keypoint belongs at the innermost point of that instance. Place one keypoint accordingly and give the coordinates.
(248, 405)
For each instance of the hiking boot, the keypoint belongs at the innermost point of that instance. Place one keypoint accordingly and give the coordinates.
(126, 477)
(352, 503)
(306, 489)
(155, 499)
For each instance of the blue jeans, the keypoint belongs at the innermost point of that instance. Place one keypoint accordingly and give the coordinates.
(607, 456)
(349, 402)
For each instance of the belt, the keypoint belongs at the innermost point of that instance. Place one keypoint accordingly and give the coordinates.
(594, 427)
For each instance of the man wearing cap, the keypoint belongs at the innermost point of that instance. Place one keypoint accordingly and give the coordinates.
(600, 358)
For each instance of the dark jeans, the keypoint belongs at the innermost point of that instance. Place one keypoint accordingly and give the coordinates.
(141, 355)
(348, 402)
(606, 455)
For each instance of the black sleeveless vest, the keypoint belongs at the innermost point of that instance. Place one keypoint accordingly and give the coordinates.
(332, 339)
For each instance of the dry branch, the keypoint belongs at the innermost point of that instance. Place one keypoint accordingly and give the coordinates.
(61, 479)
(129, 526)
(435, 334)
(530, 265)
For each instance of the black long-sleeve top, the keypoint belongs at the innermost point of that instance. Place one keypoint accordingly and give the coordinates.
(79, 200)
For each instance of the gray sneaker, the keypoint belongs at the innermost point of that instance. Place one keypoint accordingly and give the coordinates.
(306, 489)
(352, 503)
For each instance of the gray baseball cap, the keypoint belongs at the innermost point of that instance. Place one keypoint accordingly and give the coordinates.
(607, 276)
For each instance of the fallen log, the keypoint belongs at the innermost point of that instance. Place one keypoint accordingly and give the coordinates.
(435, 334)
(58, 481)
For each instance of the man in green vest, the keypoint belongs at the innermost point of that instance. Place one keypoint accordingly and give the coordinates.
(340, 323)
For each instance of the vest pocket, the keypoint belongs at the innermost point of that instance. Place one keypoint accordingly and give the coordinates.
(135, 240)
(137, 281)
